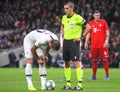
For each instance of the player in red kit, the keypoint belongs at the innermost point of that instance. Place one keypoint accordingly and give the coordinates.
(98, 32)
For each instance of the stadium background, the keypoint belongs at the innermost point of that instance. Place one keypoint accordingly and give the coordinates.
(18, 17)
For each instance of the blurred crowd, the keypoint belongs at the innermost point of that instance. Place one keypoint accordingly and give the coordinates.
(22, 16)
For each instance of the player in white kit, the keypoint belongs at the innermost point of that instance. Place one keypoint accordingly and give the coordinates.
(37, 44)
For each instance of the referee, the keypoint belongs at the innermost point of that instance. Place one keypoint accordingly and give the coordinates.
(71, 30)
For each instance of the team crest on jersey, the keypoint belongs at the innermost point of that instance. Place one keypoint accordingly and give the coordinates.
(100, 25)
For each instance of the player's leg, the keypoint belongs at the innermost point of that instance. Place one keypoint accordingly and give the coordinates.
(28, 73)
(94, 53)
(42, 72)
(42, 69)
(104, 56)
(94, 69)
(29, 61)
(106, 68)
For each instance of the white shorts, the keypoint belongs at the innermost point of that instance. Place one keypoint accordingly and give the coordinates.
(27, 44)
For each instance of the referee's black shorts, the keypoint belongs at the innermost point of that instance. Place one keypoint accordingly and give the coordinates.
(71, 50)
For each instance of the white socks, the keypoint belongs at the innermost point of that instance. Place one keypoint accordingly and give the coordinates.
(42, 72)
(28, 72)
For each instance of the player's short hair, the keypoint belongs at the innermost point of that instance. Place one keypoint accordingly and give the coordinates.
(55, 44)
(71, 4)
(96, 11)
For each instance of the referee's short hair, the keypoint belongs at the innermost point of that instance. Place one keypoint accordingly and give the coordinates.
(71, 4)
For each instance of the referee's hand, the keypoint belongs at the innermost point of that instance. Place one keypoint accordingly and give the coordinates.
(82, 38)
(76, 40)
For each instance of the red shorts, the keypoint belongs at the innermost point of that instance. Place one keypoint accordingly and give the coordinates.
(96, 53)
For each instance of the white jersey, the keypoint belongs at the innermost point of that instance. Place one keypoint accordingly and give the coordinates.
(39, 38)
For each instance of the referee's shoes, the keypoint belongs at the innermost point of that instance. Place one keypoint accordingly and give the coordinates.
(67, 86)
(77, 87)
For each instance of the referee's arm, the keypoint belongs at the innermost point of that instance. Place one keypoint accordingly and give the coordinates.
(87, 30)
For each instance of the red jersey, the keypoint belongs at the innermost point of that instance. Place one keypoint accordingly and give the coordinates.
(98, 33)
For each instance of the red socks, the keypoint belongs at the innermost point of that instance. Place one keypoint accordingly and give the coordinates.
(106, 67)
(95, 65)
(94, 68)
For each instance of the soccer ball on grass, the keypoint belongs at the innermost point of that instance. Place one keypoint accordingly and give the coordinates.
(50, 85)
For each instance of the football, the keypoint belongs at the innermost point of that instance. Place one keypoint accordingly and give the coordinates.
(50, 85)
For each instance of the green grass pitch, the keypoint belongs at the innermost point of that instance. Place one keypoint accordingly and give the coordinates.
(13, 80)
